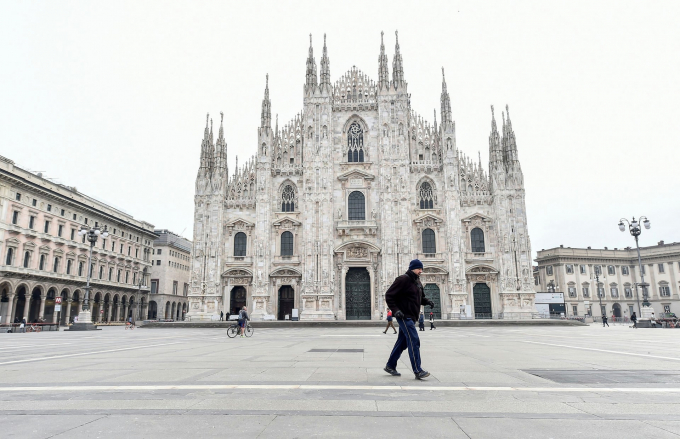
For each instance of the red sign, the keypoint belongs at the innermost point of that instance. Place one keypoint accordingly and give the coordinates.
(57, 300)
(101, 312)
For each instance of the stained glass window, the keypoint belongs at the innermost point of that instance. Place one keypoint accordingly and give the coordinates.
(355, 143)
(288, 199)
(429, 245)
(426, 196)
(286, 244)
(477, 240)
(357, 206)
(240, 241)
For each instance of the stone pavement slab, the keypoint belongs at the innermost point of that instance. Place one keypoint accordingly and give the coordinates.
(196, 382)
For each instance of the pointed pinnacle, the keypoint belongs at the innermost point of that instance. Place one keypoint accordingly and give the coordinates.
(221, 118)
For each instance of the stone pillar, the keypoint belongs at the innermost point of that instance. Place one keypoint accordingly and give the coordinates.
(54, 315)
(80, 305)
(118, 308)
(342, 314)
(27, 306)
(41, 313)
(109, 315)
(7, 318)
(67, 312)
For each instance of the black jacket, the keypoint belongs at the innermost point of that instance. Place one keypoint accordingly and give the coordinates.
(406, 295)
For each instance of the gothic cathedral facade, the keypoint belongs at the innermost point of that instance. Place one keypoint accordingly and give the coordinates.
(335, 204)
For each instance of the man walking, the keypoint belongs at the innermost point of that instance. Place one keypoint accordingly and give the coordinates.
(243, 319)
(633, 318)
(421, 322)
(221, 315)
(389, 322)
(405, 298)
(604, 321)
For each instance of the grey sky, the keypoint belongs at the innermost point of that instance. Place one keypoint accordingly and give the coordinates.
(111, 97)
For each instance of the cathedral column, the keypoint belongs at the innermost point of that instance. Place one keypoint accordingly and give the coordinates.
(7, 318)
(41, 313)
(343, 308)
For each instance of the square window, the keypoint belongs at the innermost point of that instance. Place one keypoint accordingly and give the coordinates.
(18, 197)
(158, 262)
(665, 291)
(570, 269)
(625, 271)
(583, 269)
(611, 270)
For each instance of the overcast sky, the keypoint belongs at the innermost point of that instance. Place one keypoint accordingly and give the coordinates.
(111, 97)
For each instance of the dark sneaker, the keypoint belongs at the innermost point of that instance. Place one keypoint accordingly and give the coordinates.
(392, 372)
(422, 374)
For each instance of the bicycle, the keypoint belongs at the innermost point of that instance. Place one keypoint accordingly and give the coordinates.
(129, 326)
(235, 330)
(33, 328)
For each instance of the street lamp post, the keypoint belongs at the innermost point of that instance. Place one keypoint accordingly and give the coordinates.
(635, 230)
(139, 292)
(85, 316)
(597, 287)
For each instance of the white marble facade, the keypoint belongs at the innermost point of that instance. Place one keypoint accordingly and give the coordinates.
(336, 202)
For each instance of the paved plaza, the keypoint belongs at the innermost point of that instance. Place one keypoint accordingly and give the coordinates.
(511, 382)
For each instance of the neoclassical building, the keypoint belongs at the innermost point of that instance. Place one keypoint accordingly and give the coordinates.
(575, 272)
(336, 202)
(43, 257)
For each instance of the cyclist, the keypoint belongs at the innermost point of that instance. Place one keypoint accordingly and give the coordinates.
(243, 318)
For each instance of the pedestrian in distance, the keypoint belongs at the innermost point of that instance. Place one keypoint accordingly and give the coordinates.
(604, 321)
(221, 315)
(405, 297)
(432, 321)
(242, 319)
(22, 326)
(390, 323)
(633, 318)
(421, 322)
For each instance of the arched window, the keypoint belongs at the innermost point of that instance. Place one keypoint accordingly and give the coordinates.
(426, 196)
(355, 143)
(288, 199)
(55, 268)
(286, 244)
(27, 258)
(357, 207)
(42, 262)
(429, 245)
(110, 273)
(477, 240)
(240, 241)
(10, 256)
(80, 268)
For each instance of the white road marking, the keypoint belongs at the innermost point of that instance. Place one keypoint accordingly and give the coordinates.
(337, 387)
(350, 335)
(605, 350)
(85, 353)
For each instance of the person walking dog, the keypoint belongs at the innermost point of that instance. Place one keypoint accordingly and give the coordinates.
(405, 298)
(389, 322)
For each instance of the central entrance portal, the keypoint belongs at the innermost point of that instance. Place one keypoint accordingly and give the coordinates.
(286, 302)
(432, 292)
(238, 299)
(358, 294)
(481, 294)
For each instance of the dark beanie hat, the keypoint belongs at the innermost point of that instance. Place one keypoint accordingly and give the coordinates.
(415, 264)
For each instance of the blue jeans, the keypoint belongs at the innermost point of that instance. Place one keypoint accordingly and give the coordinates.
(407, 339)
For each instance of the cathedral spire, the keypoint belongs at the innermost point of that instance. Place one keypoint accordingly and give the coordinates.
(266, 118)
(221, 147)
(397, 66)
(206, 153)
(509, 142)
(311, 82)
(383, 71)
(325, 77)
(495, 150)
(435, 120)
(445, 102)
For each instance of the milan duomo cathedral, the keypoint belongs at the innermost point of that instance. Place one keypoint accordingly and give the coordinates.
(336, 202)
